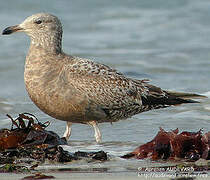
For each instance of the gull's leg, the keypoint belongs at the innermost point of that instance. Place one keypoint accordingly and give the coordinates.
(67, 133)
(94, 124)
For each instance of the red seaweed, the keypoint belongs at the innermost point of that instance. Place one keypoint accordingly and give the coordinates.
(33, 133)
(172, 145)
(31, 141)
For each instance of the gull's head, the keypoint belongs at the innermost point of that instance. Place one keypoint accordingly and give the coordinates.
(36, 24)
(43, 28)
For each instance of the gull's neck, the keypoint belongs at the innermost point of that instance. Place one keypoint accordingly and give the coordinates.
(50, 43)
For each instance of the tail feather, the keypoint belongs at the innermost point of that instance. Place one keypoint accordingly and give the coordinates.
(158, 98)
(154, 102)
(185, 95)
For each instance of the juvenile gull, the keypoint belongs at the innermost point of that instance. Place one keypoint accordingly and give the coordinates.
(78, 90)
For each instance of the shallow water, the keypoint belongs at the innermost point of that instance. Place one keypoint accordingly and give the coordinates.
(165, 41)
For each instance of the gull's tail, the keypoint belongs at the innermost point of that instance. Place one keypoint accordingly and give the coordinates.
(158, 98)
(186, 96)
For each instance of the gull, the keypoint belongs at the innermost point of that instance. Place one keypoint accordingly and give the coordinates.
(78, 90)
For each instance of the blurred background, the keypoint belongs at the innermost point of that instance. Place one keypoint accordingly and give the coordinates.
(167, 42)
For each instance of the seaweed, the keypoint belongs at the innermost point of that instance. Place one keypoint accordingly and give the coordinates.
(190, 146)
(30, 142)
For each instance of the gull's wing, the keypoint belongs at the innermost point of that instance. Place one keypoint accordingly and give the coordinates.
(104, 87)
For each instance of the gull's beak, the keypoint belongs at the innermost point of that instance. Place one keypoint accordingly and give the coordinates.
(12, 29)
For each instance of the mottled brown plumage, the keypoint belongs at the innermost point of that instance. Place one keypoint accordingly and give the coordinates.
(79, 90)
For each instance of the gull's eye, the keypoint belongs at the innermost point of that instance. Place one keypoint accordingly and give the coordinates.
(38, 21)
